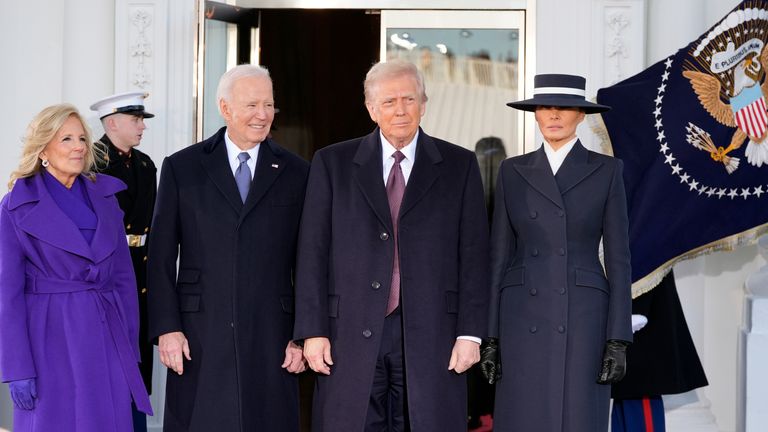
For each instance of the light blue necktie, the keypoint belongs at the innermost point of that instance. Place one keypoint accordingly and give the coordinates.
(243, 175)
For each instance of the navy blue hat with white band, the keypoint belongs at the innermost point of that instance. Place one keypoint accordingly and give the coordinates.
(559, 90)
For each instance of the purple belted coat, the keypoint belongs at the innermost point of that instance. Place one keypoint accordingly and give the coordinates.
(69, 311)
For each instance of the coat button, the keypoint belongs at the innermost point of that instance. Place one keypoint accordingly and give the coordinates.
(562, 291)
(532, 329)
(533, 291)
(560, 213)
(146, 230)
(561, 251)
(535, 252)
(143, 290)
(384, 236)
(561, 329)
(375, 285)
(367, 333)
(145, 259)
(534, 214)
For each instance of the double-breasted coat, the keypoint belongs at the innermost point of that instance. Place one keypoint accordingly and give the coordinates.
(233, 294)
(69, 311)
(137, 202)
(552, 305)
(345, 259)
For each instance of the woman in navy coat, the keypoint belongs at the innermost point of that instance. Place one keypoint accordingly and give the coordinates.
(68, 304)
(561, 319)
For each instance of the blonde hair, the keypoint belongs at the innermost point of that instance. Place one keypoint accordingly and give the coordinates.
(41, 131)
(392, 69)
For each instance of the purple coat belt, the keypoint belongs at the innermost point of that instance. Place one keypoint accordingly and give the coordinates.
(110, 317)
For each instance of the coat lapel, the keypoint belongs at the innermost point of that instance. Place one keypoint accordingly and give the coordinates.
(425, 172)
(269, 166)
(104, 239)
(215, 163)
(576, 167)
(538, 173)
(368, 175)
(37, 222)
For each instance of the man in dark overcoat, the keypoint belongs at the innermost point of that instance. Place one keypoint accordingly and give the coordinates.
(122, 116)
(229, 208)
(563, 320)
(392, 270)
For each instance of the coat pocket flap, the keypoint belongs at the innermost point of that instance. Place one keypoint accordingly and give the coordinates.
(189, 303)
(591, 279)
(188, 276)
(286, 302)
(452, 301)
(333, 306)
(513, 276)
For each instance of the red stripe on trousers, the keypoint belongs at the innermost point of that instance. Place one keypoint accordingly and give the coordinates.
(647, 414)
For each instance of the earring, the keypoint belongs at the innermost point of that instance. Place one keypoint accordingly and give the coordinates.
(45, 163)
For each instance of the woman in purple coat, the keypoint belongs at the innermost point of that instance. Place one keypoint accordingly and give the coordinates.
(68, 306)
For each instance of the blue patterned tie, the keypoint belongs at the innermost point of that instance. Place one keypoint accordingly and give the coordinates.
(243, 175)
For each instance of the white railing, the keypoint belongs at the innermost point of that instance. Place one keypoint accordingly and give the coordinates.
(439, 68)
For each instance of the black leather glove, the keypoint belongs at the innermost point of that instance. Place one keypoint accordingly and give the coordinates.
(490, 364)
(614, 362)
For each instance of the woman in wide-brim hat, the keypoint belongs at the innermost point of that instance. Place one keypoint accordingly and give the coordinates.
(559, 323)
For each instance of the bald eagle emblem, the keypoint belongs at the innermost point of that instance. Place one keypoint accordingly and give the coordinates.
(730, 84)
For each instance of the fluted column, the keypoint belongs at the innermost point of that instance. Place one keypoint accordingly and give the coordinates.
(753, 379)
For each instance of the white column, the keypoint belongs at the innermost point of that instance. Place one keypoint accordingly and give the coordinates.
(753, 379)
(154, 51)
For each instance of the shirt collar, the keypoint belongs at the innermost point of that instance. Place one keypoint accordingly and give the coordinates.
(562, 152)
(233, 150)
(409, 151)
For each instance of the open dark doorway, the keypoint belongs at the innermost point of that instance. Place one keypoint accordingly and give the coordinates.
(318, 60)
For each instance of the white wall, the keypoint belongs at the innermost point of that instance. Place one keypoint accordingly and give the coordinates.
(54, 51)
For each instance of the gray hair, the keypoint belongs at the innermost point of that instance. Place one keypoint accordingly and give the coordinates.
(392, 69)
(227, 81)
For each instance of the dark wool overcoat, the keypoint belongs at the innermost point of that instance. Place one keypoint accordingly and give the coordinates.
(233, 294)
(346, 253)
(552, 305)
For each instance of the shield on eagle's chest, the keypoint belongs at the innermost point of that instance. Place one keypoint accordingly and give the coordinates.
(749, 111)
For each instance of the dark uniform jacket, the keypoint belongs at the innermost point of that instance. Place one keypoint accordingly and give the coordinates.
(552, 305)
(138, 172)
(662, 359)
(233, 295)
(345, 268)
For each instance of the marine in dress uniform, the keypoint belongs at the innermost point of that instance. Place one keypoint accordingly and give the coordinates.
(123, 118)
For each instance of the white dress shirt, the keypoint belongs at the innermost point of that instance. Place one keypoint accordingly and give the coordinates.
(387, 152)
(409, 151)
(556, 157)
(233, 150)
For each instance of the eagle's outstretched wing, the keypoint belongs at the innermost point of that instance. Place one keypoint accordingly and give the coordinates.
(764, 63)
(707, 88)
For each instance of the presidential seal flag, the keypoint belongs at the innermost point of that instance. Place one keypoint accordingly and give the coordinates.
(692, 132)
